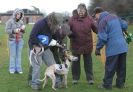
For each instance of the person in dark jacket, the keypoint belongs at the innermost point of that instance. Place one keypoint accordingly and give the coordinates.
(61, 37)
(82, 25)
(110, 34)
(45, 27)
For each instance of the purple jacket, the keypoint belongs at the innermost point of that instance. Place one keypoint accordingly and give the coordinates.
(81, 41)
(40, 28)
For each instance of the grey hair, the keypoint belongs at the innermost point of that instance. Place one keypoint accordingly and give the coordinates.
(54, 20)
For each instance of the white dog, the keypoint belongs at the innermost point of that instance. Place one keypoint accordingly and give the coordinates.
(61, 69)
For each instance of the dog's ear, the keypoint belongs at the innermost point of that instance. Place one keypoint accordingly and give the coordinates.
(67, 53)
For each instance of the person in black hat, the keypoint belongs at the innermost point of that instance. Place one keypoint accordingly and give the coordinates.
(97, 10)
(110, 34)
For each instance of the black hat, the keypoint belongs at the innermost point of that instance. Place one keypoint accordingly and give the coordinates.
(97, 10)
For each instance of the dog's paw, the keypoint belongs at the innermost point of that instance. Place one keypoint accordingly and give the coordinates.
(54, 88)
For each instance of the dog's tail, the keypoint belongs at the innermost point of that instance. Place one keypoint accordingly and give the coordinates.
(43, 78)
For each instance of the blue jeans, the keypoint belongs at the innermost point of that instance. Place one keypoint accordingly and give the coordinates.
(15, 49)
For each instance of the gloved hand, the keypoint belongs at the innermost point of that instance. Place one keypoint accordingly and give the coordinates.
(97, 52)
(129, 38)
(72, 35)
(53, 43)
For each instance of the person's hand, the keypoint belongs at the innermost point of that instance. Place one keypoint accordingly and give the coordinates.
(17, 30)
(37, 49)
(72, 35)
(23, 27)
(53, 43)
(97, 52)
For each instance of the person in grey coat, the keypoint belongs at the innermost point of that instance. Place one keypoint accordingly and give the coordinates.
(15, 28)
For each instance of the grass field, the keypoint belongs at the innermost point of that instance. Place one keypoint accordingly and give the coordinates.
(18, 83)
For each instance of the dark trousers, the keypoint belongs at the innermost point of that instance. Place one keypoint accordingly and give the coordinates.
(57, 57)
(56, 53)
(116, 63)
(88, 67)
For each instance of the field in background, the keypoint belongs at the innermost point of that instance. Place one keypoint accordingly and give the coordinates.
(18, 83)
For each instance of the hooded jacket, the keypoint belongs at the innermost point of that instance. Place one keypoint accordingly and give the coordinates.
(110, 34)
(81, 38)
(12, 24)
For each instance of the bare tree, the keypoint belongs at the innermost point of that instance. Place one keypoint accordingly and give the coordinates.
(121, 7)
(37, 10)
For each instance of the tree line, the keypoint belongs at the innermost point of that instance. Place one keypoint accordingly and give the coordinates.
(123, 8)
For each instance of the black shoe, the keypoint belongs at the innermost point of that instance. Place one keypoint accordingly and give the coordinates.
(36, 87)
(120, 86)
(75, 81)
(91, 82)
(101, 86)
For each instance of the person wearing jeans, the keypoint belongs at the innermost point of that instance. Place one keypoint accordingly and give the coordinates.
(15, 29)
(15, 55)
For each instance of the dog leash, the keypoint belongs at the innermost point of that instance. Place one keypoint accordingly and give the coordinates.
(17, 37)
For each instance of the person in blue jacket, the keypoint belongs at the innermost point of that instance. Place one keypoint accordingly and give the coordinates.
(110, 34)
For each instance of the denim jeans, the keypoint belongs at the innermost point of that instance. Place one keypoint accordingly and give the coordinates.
(15, 49)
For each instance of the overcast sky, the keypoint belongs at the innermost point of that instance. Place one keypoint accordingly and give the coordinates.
(44, 5)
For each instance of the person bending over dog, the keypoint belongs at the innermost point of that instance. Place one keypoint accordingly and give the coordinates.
(41, 38)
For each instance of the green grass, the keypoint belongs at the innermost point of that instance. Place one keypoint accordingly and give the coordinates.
(18, 83)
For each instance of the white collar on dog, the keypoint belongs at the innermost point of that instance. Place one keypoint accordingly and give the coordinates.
(60, 66)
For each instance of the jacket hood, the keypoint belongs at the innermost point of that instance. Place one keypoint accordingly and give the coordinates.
(17, 11)
(103, 14)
